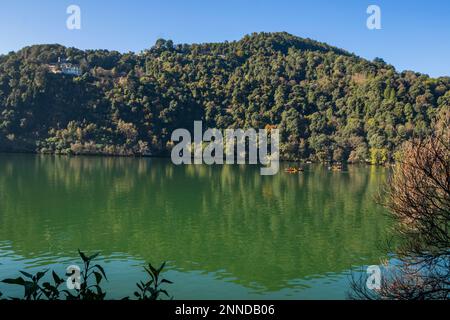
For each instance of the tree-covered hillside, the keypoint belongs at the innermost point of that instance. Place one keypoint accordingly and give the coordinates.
(328, 104)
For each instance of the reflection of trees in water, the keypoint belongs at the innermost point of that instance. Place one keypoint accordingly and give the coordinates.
(258, 229)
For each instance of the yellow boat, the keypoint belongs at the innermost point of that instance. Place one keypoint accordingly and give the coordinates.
(293, 170)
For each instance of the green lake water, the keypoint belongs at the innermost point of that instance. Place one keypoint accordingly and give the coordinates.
(226, 231)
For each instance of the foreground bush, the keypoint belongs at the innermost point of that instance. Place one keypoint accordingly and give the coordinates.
(418, 197)
(90, 284)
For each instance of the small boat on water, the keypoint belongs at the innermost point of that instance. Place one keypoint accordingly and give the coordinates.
(293, 170)
(336, 167)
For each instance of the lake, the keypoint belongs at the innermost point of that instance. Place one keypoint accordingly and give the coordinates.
(226, 231)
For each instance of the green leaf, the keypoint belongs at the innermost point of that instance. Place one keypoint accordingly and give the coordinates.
(26, 274)
(99, 290)
(161, 267)
(154, 271)
(19, 281)
(165, 292)
(98, 277)
(70, 296)
(150, 273)
(148, 284)
(166, 281)
(39, 275)
(100, 268)
(83, 256)
(56, 278)
(50, 289)
(94, 256)
(30, 288)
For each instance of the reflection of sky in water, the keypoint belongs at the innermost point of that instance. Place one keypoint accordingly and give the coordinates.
(226, 231)
(123, 272)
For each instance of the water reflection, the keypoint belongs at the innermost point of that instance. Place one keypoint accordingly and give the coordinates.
(262, 233)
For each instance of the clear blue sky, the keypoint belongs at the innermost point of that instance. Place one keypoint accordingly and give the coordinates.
(415, 35)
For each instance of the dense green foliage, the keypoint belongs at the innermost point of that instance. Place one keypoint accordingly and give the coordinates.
(328, 104)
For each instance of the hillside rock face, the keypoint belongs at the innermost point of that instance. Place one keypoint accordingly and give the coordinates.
(327, 103)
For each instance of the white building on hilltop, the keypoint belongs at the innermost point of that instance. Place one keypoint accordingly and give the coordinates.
(65, 67)
(70, 69)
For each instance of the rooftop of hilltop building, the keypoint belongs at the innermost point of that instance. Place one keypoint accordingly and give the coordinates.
(64, 66)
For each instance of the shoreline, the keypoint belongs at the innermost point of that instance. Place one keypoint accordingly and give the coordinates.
(100, 155)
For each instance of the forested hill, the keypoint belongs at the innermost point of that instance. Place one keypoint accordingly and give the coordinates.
(328, 104)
